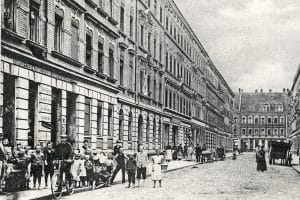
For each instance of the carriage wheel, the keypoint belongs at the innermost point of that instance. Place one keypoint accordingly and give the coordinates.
(56, 186)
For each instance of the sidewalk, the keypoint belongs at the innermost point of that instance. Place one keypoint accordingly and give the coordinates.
(46, 193)
(296, 163)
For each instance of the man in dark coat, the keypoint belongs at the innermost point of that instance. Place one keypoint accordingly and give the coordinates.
(261, 160)
(198, 153)
(120, 159)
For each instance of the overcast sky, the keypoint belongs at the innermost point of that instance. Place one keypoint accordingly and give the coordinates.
(254, 43)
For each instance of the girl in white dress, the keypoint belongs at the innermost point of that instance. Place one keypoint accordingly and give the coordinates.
(156, 168)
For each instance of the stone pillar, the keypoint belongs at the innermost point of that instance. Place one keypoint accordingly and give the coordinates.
(22, 97)
(80, 119)
(44, 113)
(105, 124)
(254, 145)
(1, 103)
(63, 114)
(94, 125)
(266, 144)
(260, 142)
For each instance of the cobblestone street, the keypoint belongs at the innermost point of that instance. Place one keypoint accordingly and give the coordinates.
(219, 180)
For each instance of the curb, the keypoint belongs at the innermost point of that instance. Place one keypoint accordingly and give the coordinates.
(297, 170)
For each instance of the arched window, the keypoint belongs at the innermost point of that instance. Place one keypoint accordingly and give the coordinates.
(140, 130)
(147, 129)
(121, 124)
(154, 131)
(130, 127)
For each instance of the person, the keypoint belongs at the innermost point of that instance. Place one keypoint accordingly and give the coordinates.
(49, 163)
(76, 169)
(204, 148)
(2, 162)
(174, 152)
(102, 159)
(88, 164)
(156, 168)
(85, 148)
(64, 152)
(37, 166)
(141, 160)
(109, 164)
(190, 152)
(198, 153)
(185, 148)
(120, 159)
(168, 153)
(28, 159)
(180, 152)
(261, 160)
(131, 169)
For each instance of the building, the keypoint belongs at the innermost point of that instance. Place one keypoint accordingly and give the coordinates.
(294, 119)
(107, 72)
(261, 118)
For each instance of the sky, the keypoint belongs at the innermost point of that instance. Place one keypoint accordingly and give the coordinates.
(255, 44)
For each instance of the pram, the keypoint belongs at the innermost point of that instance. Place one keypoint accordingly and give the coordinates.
(16, 178)
(100, 177)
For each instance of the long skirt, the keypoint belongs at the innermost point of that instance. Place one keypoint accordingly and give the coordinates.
(261, 165)
(156, 174)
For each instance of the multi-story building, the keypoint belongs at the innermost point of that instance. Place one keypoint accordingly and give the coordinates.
(294, 109)
(129, 72)
(262, 118)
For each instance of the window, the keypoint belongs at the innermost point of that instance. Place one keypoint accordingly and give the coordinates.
(167, 23)
(154, 131)
(282, 120)
(130, 127)
(262, 132)
(141, 81)
(154, 89)
(9, 14)
(110, 120)
(147, 129)
(275, 131)
(111, 8)
(160, 91)
(160, 52)
(149, 3)
(275, 120)
(149, 42)
(262, 120)
(58, 34)
(100, 57)
(74, 39)
(166, 98)
(160, 14)
(281, 132)
(111, 63)
(243, 131)
(167, 61)
(256, 120)
(243, 120)
(101, 3)
(87, 116)
(249, 132)
(142, 35)
(34, 21)
(155, 7)
(121, 124)
(269, 132)
(88, 50)
(121, 73)
(269, 120)
(171, 64)
(131, 26)
(122, 13)
(170, 99)
(256, 132)
(154, 48)
(131, 58)
(249, 120)
(149, 85)
(99, 118)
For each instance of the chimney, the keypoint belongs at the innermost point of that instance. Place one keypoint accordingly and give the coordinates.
(270, 90)
(255, 91)
(261, 90)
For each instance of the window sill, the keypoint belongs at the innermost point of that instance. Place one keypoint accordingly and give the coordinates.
(131, 40)
(122, 33)
(123, 45)
(113, 21)
(67, 59)
(89, 70)
(37, 49)
(91, 3)
(100, 75)
(112, 80)
(8, 33)
(102, 12)
(121, 87)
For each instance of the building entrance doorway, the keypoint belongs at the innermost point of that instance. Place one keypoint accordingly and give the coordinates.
(175, 135)
(32, 113)
(56, 115)
(140, 130)
(71, 116)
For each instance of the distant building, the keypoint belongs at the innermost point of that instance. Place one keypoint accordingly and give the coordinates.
(260, 117)
(294, 118)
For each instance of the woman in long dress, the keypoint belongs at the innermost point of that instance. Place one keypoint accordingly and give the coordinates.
(168, 153)
(261, 160)
(156, 168)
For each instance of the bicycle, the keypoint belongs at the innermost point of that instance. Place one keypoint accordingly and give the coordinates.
(59, 182)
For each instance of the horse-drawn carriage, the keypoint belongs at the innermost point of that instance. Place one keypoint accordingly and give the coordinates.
(280, 150)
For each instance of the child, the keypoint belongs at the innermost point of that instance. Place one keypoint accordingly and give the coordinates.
(131, 169)
(76, 169)
(88, 164)
(37, 166)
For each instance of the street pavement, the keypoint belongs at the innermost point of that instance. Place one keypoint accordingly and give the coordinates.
(217, 180)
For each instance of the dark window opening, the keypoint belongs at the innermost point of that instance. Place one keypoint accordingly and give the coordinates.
(88, 51)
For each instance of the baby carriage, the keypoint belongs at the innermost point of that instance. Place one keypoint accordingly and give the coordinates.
(16, 177)
(100, 177)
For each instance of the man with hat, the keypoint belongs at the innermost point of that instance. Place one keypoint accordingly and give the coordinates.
(120, 159)
(49, 162)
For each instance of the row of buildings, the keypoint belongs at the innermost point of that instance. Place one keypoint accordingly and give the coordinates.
(108, 71)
